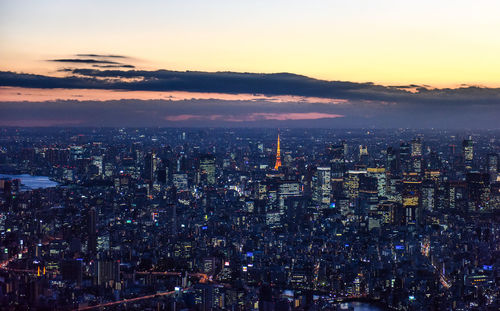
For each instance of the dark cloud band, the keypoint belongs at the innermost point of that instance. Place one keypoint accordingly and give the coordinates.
(252, 83)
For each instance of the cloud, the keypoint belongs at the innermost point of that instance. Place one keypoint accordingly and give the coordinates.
(96, 60)
(252, 83)
(114, 66)
(83, 61)
(349, 104)
(101, 55)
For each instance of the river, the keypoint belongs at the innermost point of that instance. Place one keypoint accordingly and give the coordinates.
(29, 182)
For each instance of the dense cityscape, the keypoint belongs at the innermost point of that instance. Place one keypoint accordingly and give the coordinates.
(249, 219)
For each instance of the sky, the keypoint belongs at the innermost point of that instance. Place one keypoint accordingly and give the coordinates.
(250, 63)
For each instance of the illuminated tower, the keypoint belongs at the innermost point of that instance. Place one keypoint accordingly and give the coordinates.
(278, 155)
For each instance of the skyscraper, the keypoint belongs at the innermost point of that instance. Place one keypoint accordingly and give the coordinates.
(321, 186)
(92, 231)
(468, 152)
(416, 147)
(278, 155)
(492, 166)
(412, 198)
(207, 169)
(149, 166)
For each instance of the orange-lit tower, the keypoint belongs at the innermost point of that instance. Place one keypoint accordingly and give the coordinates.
(278, 155)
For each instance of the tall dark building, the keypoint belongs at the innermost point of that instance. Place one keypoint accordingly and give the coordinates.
(71, 269)
(478, 185)
(92, 231)
(164, 172)
(392, 161)
(405, 157)
(149, 166)
(492, 165)
(337, 160)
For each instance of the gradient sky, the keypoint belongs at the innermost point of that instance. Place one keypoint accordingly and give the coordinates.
(440, 43)
(250, 63)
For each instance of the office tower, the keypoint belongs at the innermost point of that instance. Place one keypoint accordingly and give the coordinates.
(71, 270)
(363, 154)
(392, 164)
(164, 172)
(321, 186)
(492, 166)
(416, 164)
(494, 203)
(180, 181)
(207, 169)
(456, 196)
(278, 155)
(478, 185)
(351, 183)
(428, 195)
(368, 195)
(468, 153)
(416, 147)
(149, 166)
(405, 157)
(412, 198)
(108, 272)
(287, 189)
(97, 161)
(92, 231)
(337, 160)
(379, 174)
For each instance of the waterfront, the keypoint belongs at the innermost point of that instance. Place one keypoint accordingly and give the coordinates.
(29, 182)
(361, 306)
(358, 306)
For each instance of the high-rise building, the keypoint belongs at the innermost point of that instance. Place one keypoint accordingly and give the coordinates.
(108, 272)
(405, 157)
(351, 183)
(207, 169)
(368, 194)
(379, 174)
(428, 195)
(392, 164)
(71, 270)
(416, 147)
(164, 172)
(412, 198)
(278, 155)
(92, 231)
(337, 160)
(492, 166)
(321, 186)
(180, 181)
(478, 185)
(468, 153)
(149, 166)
